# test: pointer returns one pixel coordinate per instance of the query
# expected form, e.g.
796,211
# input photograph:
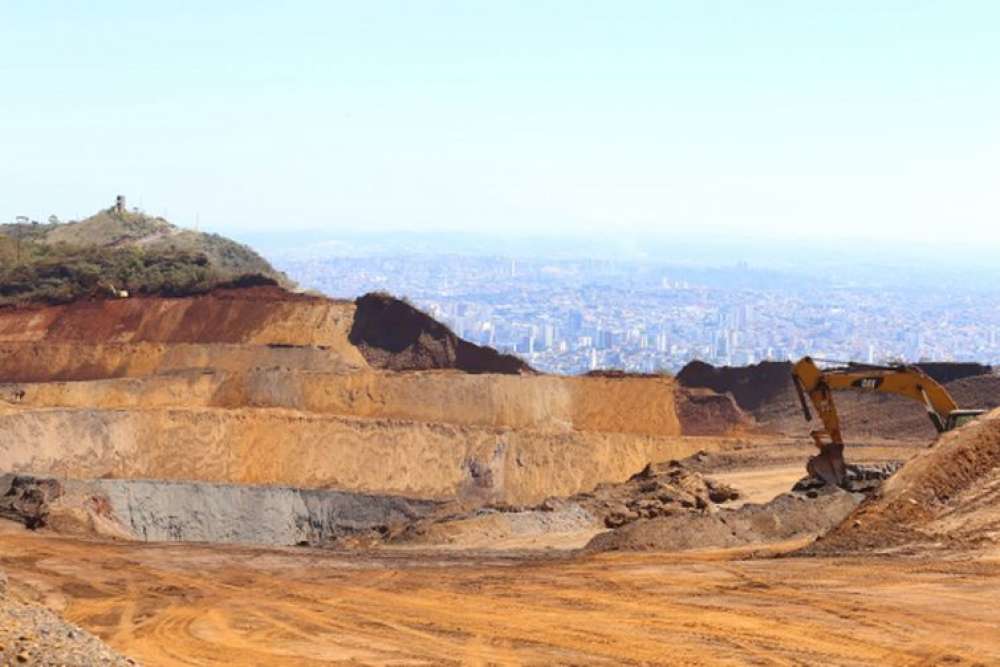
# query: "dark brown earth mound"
948,494
394,335
618,373
866,415
704,412
757,386
949,371
767,392
981,391
753,387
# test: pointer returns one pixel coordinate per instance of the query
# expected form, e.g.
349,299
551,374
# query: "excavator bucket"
829,464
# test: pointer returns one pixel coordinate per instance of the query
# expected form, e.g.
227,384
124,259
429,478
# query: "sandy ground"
534,604
198,605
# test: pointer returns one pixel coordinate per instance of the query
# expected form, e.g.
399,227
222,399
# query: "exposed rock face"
27,499
186,511
290,448
394,335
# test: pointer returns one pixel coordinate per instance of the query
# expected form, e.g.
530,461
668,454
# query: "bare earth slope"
261,386
946,496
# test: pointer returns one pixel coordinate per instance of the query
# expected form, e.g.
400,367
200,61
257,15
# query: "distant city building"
588,314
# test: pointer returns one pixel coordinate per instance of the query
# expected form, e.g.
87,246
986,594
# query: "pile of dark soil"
950,371
753,387
980,391
704,412
767,392
618,373
394,335
27,499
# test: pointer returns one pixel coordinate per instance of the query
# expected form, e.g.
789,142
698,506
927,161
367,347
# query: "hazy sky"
816,119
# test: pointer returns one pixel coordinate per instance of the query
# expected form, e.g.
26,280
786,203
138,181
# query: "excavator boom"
817,385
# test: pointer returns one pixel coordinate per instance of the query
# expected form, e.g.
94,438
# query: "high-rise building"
575,321
549,336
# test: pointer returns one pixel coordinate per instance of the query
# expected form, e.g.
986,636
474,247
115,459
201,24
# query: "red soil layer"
221,316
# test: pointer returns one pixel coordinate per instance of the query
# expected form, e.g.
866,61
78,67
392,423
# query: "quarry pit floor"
196,604
209,604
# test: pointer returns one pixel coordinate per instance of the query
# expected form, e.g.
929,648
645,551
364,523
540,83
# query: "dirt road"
198,605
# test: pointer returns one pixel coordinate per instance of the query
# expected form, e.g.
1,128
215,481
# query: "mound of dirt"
766,391
810,508
947,495
788,516
753,387
257,315
866,415
704,412
950,371
980,391
657,490
394,335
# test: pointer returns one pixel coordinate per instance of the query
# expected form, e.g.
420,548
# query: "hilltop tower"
120,204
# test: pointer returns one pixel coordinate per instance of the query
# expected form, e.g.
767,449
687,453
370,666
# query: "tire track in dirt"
203,604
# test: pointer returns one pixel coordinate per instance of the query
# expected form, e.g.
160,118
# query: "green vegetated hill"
120,251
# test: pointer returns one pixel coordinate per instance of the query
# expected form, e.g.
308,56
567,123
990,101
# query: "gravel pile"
33,635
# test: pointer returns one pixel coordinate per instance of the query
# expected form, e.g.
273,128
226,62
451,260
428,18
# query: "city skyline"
569,316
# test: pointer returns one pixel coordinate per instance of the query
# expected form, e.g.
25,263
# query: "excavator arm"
817,385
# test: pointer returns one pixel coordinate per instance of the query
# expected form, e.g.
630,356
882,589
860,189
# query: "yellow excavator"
819,384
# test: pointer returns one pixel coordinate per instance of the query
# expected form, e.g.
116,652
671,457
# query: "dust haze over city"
499,333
